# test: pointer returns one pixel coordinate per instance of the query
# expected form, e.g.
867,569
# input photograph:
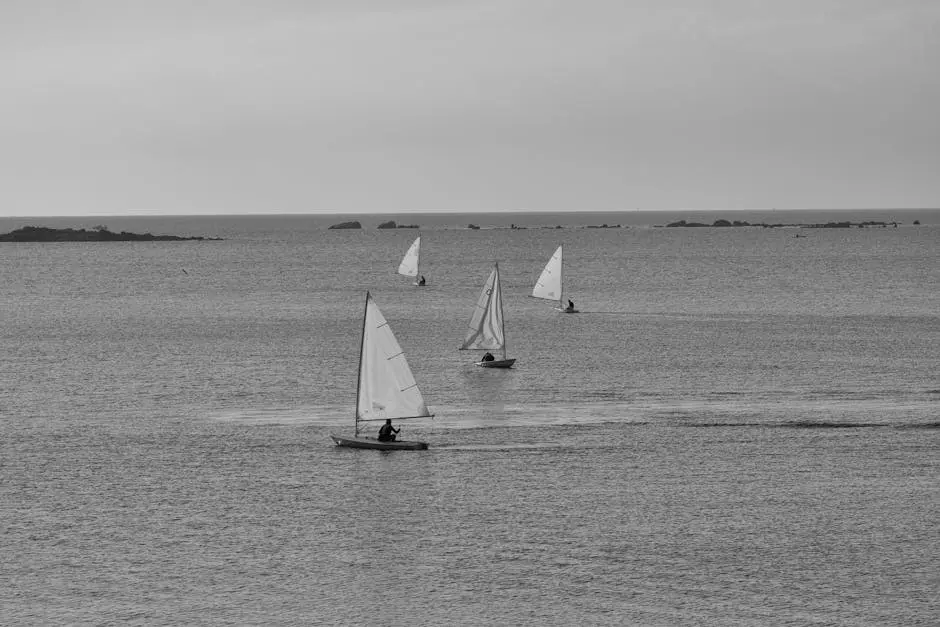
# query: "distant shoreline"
722,223
295,225
100,234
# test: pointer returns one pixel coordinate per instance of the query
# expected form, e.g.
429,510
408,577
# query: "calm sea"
741,428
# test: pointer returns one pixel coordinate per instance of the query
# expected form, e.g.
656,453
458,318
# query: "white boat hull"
497,363
372,443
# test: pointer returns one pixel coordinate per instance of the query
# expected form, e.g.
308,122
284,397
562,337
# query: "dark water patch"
724,424
826,424
802,424
808,424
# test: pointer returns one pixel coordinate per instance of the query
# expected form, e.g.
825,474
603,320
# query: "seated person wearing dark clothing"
387,432
488,357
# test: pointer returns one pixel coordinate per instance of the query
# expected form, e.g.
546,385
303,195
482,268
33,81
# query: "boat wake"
503,446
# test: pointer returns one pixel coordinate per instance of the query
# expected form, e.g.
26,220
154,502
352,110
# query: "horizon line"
445,213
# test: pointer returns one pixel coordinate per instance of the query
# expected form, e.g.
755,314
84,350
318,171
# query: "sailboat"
487,329
409,263
549,285
386,389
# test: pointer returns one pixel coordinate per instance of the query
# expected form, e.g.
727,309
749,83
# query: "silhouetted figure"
570,305
387,432
421,280
488,357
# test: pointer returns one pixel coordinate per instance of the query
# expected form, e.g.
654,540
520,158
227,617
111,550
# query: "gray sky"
230,106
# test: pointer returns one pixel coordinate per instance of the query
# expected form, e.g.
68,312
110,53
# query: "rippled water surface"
742,427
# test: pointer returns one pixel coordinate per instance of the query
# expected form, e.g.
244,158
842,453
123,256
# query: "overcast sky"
230,106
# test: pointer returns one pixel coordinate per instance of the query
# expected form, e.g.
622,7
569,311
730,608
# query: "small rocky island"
828,225
347,225
97,234
392,225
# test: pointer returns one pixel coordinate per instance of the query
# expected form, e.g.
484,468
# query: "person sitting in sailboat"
421,280
488,357
387,431
570,305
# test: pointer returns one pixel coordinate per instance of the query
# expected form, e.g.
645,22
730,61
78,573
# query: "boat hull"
497,363
566,310
371,443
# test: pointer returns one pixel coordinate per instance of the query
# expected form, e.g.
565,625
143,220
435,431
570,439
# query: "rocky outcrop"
828,225
718,223
347,225
100,234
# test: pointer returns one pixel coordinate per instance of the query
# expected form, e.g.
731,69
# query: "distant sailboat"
487,329
410,262
549,285
386,389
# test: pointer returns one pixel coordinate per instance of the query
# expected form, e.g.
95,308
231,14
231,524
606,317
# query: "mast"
362,346
502,315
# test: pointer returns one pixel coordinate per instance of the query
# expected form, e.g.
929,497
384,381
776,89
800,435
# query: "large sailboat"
411,261
549,285
487,329
386,389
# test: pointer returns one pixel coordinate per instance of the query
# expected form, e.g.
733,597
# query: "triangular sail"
486,324
409,263
549,284
387,389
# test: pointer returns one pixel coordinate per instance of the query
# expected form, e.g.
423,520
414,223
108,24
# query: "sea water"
741,427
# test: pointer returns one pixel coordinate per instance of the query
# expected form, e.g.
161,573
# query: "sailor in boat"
570,306
387,431
421,280
488,357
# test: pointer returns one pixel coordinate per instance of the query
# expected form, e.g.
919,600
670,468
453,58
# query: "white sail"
486,323
549,284
387,389
409,263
